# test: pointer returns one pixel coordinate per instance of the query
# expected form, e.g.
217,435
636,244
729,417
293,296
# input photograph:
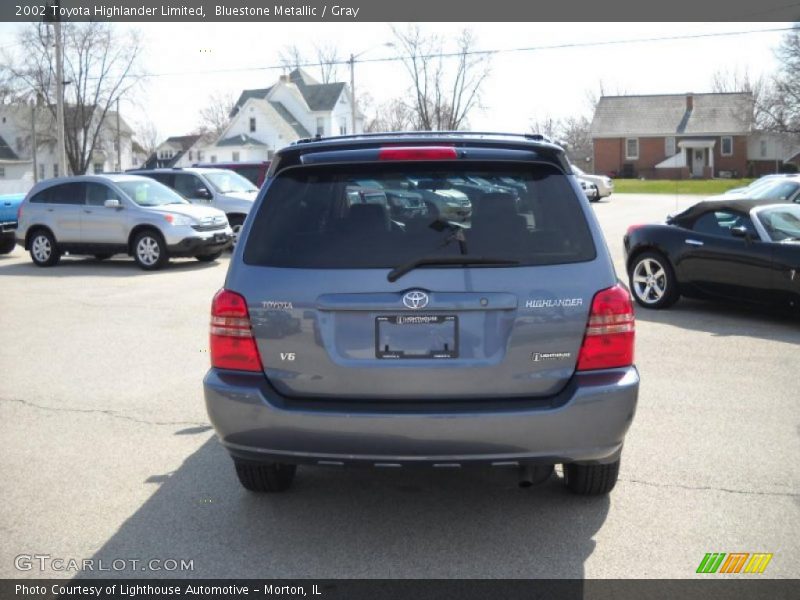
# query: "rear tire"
150,251
652,281
265,477
236,222
44,251
591,480
7,244
208,257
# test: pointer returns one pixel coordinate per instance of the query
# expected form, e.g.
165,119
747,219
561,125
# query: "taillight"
19,213
417,153
232,343
609,338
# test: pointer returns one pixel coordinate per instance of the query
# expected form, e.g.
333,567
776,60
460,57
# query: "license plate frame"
383,351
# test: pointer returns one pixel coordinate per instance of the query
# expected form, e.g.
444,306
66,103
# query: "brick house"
673,136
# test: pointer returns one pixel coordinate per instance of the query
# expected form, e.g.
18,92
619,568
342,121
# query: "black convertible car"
741,250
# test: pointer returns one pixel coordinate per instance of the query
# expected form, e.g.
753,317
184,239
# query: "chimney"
689,101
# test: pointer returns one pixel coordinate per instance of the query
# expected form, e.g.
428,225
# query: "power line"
491,52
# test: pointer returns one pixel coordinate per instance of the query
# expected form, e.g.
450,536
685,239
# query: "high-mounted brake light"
610,332
232,343
417,153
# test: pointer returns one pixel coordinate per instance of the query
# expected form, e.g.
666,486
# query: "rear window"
384,215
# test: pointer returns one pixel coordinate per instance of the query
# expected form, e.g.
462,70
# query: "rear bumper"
587,423
8,227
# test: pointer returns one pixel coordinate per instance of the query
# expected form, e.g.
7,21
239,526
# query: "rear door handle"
694,242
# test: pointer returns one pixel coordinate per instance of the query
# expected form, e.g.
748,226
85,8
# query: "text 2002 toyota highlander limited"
348,335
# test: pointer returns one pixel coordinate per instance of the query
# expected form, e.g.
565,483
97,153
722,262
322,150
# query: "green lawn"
686,186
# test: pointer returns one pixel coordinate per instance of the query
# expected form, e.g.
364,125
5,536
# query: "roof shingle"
666,115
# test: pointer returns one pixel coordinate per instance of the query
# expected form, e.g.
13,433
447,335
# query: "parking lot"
106,451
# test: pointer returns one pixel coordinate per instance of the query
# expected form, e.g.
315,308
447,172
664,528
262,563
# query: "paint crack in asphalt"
109,413
711,488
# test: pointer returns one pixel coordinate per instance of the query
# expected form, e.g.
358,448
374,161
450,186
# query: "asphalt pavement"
106,452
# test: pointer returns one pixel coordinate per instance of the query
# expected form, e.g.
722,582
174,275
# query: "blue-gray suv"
351,334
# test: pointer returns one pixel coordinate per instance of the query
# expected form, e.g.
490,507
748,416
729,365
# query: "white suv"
219,188
103,215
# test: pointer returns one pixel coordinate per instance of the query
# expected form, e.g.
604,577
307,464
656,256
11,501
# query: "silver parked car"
103,215
605,185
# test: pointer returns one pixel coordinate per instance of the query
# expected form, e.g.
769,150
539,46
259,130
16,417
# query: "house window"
727,146
252,124
199,156
19,144
41,172
320,126
669,146
631,148
343,127
763,149
213,158
235,156
98,167
190,154
55,169
2,172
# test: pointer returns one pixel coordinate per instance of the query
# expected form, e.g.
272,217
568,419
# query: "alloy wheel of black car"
652,281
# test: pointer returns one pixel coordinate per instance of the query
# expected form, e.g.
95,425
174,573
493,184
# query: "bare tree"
783,103
546,126
328,58
100,68
740,80
291,57
445,86
215,116
394,115
147,135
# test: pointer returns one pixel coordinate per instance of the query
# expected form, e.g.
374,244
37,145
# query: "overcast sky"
522,85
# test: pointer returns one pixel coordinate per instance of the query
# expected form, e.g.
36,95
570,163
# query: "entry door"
698,162
99,224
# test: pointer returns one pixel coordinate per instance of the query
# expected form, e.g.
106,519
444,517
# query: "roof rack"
536,137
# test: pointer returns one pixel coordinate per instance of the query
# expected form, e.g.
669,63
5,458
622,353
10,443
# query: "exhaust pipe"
530,475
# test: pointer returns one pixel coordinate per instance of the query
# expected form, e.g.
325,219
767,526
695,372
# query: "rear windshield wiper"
401,270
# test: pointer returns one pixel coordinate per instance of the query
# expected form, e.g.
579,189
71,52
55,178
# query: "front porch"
694,159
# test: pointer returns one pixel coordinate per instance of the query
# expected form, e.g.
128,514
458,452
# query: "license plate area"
416,336
220,237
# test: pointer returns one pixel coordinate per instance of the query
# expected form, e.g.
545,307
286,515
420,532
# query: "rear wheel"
44,251
150,251
653,281
208,257
591,480
265,477
7,244
236,222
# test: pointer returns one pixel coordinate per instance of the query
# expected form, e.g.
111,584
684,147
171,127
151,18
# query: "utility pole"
33,142
61,150
353,90
119,143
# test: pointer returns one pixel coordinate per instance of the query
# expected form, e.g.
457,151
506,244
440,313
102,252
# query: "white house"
17,123
768,151
296,106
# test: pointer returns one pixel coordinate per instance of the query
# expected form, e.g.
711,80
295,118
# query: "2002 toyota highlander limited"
347,333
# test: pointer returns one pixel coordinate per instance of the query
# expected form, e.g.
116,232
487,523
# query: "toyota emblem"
415,299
